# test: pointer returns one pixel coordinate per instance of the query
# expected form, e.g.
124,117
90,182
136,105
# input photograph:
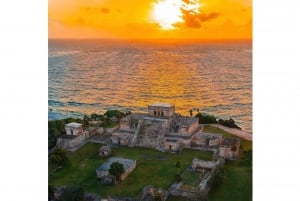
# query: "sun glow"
167,13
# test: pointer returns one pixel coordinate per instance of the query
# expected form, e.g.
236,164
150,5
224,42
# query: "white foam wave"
62,53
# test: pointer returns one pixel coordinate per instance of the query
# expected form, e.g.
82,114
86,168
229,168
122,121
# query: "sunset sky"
185,19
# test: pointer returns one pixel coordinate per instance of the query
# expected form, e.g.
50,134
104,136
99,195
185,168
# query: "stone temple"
160,128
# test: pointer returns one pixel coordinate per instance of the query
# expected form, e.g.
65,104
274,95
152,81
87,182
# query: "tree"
191,112
116,169
85,121
58,157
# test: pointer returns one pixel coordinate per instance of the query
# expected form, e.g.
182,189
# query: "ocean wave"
62,53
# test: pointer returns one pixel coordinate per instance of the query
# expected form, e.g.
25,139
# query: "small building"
183,125
104,151
122,137
161,109
206,139
69,141
103,170
230,148
74,128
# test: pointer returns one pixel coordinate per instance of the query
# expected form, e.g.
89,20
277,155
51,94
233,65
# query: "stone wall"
164,111
111,130
70,143
197,163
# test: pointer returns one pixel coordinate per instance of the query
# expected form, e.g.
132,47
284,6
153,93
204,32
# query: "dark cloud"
105,10
195,20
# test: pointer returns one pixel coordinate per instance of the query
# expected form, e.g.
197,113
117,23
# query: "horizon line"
163,40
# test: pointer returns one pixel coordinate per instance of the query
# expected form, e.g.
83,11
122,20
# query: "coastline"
239,133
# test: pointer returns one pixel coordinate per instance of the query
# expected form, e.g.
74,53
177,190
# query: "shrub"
58,157
116,169
72,193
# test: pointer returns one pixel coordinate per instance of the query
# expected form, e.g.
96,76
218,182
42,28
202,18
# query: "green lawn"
158,169
237,181
153,167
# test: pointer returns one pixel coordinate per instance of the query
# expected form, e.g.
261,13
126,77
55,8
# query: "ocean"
92,76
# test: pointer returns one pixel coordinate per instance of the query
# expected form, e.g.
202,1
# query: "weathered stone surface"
176,190
150,193
70,141
100,130
91,197
230,148
111,130
108,179
104,151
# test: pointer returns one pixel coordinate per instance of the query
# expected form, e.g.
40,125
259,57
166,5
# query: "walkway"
239,133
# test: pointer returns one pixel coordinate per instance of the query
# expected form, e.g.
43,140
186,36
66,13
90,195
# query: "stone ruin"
161,128
208,170
103,170
104,151
230,148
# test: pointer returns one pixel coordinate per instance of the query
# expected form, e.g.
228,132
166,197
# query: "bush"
228,123
58,157
114,113
72,193
206,119
116,169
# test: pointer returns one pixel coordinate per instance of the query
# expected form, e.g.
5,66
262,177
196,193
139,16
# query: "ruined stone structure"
104,151
206,139
161,109
103,170
172,145
184,126
230,148
208,169
69,141
74,136
74,128
161,128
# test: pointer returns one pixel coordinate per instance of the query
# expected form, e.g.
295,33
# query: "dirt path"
240,133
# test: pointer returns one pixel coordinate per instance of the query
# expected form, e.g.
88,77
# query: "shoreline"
239,133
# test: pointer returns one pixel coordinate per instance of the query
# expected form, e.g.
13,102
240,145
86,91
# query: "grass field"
153,167
158,169
237,181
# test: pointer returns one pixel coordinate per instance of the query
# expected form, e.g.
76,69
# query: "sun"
167,13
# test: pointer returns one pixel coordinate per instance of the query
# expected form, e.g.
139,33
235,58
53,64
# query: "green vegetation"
57,158
210,119
116,169
191,179
228,123
237,178
153,167
206,119
56,128
72,193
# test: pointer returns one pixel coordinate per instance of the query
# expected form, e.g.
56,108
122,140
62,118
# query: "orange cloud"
195,20
133,19
105,10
